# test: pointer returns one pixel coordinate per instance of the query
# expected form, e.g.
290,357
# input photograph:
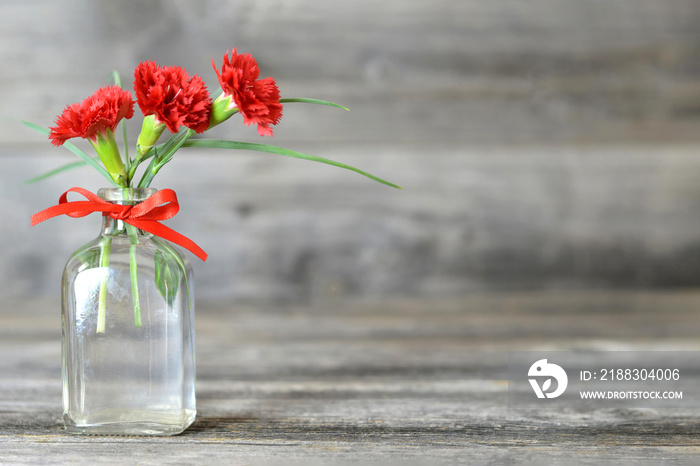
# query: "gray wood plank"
402,380
445,70
470,218
542,144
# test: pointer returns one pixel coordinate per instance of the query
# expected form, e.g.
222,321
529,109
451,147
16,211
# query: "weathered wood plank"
485,111
366,382
469,218
445,70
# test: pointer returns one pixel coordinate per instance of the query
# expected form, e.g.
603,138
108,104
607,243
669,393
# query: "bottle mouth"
121,195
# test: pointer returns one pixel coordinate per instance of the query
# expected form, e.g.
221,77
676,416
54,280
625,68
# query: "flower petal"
95,115
172,96
258,100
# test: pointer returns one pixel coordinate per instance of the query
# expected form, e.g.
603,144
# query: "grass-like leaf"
117,78
167,277
314,101
56,171
224,144
166,247
86,158
161,158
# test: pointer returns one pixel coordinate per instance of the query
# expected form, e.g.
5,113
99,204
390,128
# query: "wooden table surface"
389,382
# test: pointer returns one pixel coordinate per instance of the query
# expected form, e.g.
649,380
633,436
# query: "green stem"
160,159
105,251
133,267
116,77
149,174
127,159
131,171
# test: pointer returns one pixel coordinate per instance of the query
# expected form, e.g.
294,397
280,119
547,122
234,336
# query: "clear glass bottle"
128,332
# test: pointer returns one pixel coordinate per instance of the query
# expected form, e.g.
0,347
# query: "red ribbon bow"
145,215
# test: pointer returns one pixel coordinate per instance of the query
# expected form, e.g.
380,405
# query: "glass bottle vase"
128,331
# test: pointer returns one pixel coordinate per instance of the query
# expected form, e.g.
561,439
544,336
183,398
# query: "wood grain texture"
396,382
470,218
447,70
542,144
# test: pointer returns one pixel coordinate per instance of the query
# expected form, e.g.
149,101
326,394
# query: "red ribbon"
145,215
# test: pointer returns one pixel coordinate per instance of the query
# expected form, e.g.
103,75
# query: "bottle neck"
122,196
111,227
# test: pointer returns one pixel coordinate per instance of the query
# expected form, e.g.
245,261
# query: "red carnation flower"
257,99
172,96
95,115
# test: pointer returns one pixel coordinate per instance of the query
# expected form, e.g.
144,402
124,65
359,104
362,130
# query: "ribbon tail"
73,209
46,214
169,234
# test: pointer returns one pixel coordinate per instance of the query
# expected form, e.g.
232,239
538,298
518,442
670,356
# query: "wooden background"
550,156
542,144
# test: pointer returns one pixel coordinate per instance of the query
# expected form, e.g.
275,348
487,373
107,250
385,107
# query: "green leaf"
171,147
165,246
167,276
89,257
56,171
223,144
116,77
89,160
314,101
161,158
